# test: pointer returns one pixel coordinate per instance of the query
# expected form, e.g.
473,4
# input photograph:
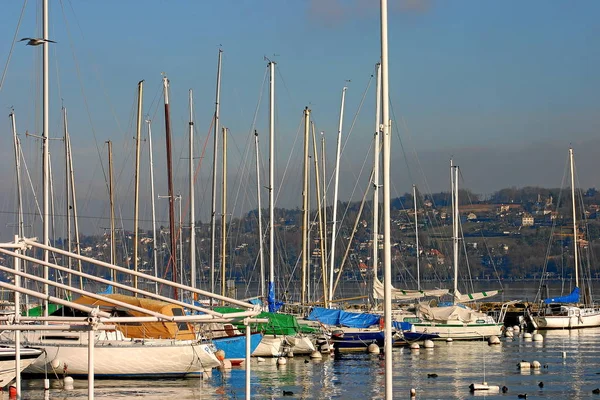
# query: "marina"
456,364
447,295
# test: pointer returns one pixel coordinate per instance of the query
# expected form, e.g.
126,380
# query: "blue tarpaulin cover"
573,297
343,318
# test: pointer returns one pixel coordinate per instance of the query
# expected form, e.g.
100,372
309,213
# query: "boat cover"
400,294
343,318
465,298
572,297
450,313
279,324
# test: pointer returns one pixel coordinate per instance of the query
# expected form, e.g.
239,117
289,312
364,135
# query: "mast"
20,218
213,212
335,199
260,227
455,223
376,160
173,259
305,219
136,214
74,203
46,151
323,162
387,248
68,193
224,215
111,194
417,237
192,201
322,234
271,299
154,244
576,249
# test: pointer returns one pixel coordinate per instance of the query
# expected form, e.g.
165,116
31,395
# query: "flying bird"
36,41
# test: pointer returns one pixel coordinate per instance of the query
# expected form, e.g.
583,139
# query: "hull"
568,318
459,331
407,337
298,344
235,347
7,362
269,346
356,339
118,357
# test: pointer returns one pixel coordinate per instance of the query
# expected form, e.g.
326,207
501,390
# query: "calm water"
361,376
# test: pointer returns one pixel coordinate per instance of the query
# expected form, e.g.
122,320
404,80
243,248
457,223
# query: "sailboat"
566,312
456,320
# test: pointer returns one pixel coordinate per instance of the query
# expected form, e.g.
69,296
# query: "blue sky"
491,82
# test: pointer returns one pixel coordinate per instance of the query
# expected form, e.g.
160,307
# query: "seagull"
36,41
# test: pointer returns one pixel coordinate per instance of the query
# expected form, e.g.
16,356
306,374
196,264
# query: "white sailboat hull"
269,346
300,344
121,358
573,318
460,331
7,362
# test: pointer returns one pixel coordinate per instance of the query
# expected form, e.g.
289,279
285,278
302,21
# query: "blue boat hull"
235,346
357,341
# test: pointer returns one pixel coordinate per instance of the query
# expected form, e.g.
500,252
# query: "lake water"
361,376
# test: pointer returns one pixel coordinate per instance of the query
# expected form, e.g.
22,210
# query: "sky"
503,88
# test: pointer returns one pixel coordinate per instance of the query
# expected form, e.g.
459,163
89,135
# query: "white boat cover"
449,313
465,298
400,294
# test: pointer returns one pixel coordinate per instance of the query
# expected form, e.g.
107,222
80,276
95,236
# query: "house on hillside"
527,220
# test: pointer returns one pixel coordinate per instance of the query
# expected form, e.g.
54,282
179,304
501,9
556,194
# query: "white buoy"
449,340
316,354
524,365
55,363
260,359
537,338
281,361
415,346
493,340
220,354
428,344
510,328
564,354
536,365
68,382
46,384
509,333
373,348
527,336
413,392
473,387
516,328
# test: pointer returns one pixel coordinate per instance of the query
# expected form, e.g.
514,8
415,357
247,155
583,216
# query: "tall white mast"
46,150
320,207
111,194
213,215
74,203
417,237
324,168
136,215
67,198
154,244
387,248
335,199
576,248
16,143
192,201
376,160
455,224
305,219
260,227
271,187
224,216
